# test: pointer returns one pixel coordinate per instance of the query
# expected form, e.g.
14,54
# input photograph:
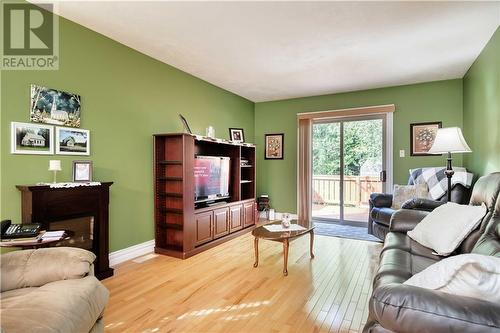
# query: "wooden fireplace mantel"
43,204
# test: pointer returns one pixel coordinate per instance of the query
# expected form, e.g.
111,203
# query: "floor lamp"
449,140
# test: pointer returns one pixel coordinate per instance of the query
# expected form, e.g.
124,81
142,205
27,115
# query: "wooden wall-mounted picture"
422,137
274,144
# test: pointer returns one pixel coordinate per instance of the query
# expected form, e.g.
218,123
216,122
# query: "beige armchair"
51,290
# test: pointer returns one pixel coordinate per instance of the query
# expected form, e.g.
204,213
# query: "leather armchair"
380,211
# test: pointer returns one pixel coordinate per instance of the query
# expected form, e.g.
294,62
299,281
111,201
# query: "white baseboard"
131,252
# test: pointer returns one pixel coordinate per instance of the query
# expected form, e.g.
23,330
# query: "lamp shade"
54,165
449,140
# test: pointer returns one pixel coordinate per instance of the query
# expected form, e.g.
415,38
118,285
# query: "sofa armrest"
381,200
34,268
407,309
422,204
404,220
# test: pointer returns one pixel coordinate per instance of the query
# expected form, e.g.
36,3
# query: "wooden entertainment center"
184,228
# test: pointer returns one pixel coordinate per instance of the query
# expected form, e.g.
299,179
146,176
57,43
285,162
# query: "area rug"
344,231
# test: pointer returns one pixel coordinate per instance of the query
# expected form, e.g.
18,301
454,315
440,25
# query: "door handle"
383,176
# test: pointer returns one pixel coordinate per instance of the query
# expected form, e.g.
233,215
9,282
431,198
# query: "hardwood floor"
220,291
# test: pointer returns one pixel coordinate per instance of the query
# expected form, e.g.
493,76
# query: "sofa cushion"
382,215
62,306
402,193
471,275
16,292
34,268
446,227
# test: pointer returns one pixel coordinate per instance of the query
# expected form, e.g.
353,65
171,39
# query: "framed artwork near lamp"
422,137
82,171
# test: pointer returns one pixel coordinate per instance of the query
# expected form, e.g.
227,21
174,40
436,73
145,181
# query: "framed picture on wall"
72,141
274,144
30,139
55,107
422,137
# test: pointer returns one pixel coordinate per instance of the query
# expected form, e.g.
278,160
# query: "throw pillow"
444,229
471,275
403,193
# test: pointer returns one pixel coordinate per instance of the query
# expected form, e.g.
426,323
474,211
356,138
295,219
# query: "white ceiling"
275,50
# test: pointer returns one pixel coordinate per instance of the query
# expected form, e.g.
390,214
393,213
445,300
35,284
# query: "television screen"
211,177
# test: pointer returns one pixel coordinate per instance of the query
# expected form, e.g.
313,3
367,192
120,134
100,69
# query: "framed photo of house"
274,144
27,138
236,135
82,171
422,137
72,141
54,107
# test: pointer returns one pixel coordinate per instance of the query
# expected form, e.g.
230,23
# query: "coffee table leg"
285,257
256,247
311,233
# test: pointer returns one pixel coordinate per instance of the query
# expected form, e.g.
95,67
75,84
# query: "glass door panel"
348,156
363,157
326,171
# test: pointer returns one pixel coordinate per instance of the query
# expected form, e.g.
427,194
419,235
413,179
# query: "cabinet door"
248,214
221,222
235,218
204,230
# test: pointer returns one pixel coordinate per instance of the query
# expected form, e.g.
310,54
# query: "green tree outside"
362,144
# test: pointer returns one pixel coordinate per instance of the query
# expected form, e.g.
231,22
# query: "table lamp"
449,140
55,165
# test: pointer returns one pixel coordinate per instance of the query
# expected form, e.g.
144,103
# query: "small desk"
283,237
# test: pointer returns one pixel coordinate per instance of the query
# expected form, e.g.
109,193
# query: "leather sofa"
51,290
380,211
396,307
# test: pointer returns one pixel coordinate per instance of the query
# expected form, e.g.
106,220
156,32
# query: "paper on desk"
53,234
279,227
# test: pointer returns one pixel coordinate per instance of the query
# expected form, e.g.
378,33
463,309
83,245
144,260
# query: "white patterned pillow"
403,193
471,275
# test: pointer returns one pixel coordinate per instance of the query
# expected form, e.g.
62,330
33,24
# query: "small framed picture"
72,141
82,171
422,137
236,135
31,139
274,144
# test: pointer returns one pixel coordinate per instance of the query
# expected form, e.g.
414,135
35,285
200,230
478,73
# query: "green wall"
482,109
433,101
126,97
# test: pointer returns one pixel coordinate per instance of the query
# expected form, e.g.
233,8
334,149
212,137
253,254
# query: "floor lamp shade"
449,140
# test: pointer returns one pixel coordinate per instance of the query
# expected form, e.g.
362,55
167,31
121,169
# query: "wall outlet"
402,153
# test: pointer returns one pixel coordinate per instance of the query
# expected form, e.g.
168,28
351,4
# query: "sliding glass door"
348,162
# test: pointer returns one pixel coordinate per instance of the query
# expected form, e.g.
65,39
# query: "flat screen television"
211,178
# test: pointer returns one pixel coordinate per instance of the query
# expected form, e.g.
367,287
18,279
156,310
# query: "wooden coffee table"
283,237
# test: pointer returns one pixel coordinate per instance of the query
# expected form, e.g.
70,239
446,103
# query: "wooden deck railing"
357,189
